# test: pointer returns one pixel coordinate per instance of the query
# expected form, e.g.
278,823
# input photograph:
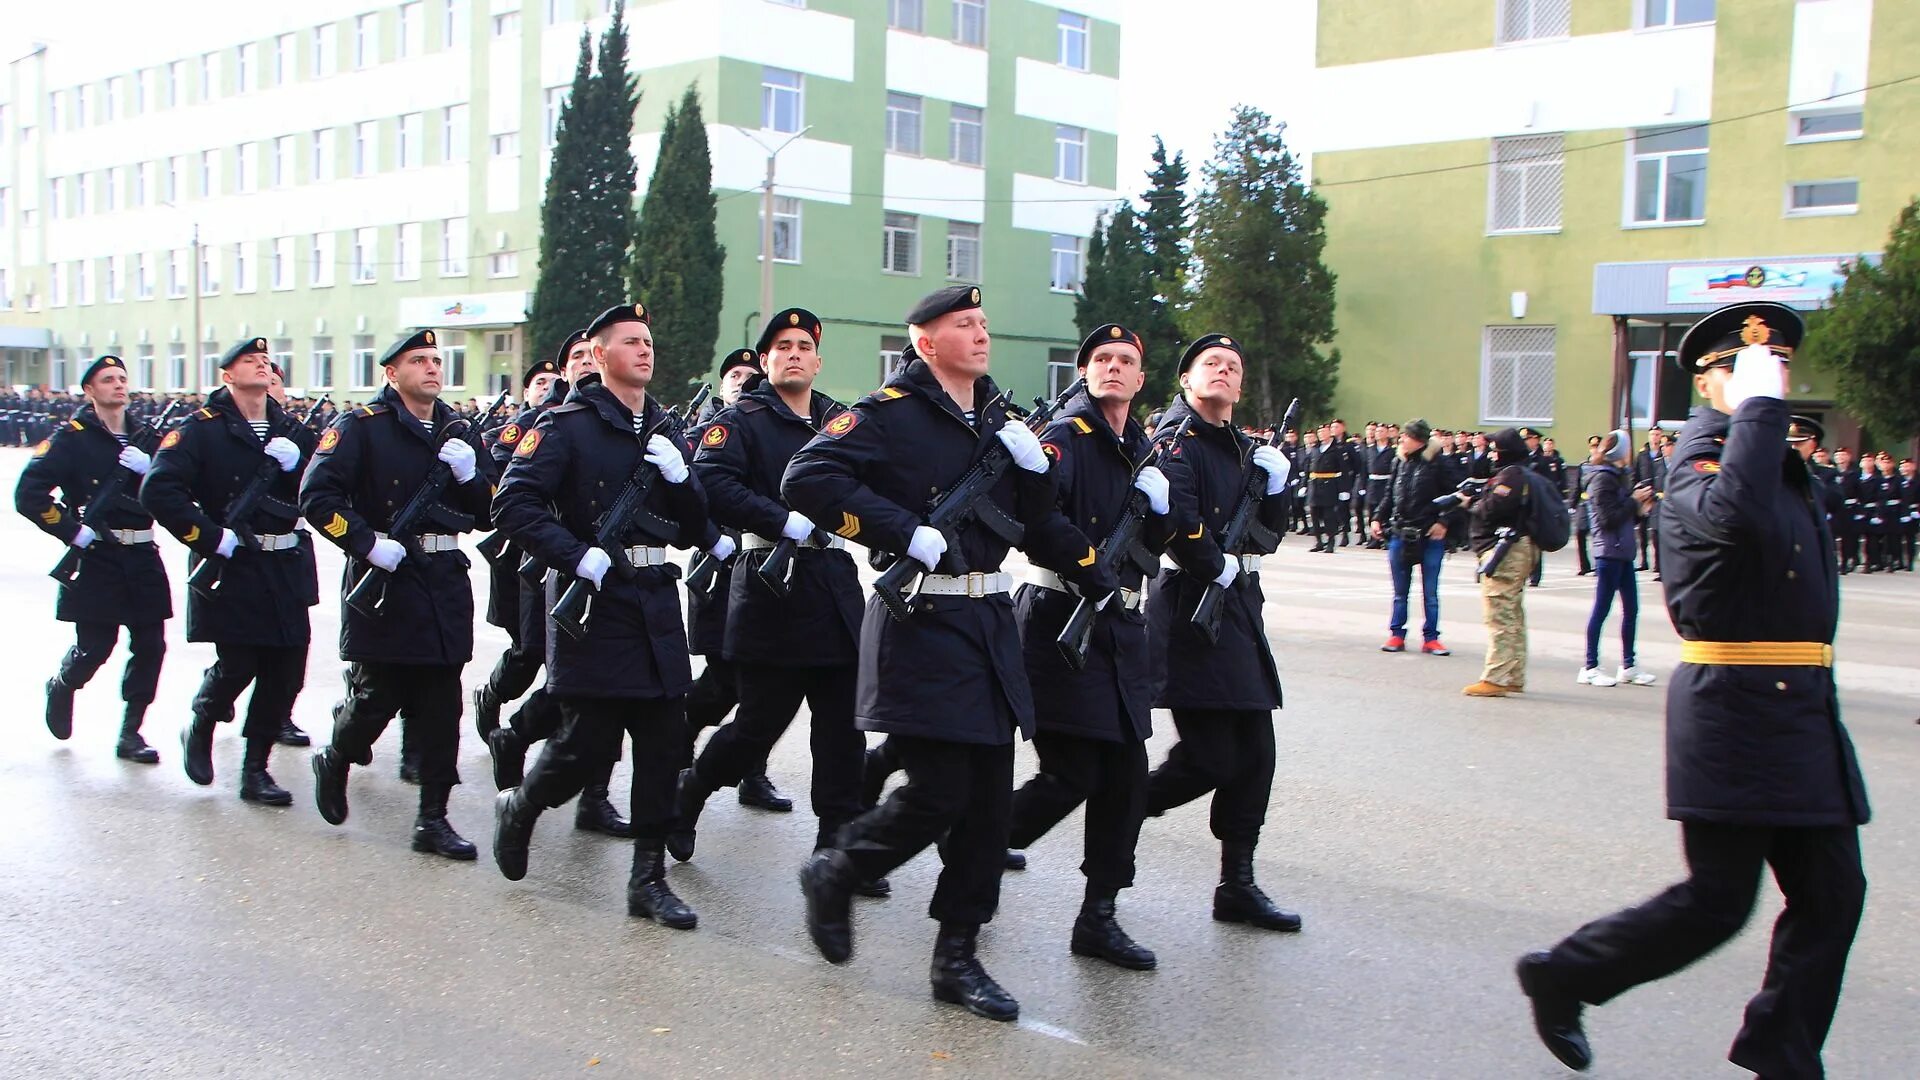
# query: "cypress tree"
678,259
569,282
1164,228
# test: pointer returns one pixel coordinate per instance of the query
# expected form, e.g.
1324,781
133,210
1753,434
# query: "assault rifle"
205,579
1243,527
369,595
111,496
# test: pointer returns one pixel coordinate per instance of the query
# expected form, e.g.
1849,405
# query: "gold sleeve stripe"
1081,425
1091,558
849,526
51,515
1197,533
335,528
190,535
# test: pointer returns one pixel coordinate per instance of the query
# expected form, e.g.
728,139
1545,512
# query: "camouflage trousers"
1502,605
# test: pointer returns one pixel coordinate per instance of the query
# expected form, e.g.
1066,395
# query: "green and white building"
347,171
1530,200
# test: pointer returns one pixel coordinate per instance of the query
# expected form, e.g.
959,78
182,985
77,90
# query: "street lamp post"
766,214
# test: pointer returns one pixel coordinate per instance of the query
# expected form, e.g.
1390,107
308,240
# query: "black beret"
1107,333
1802,428
102,364
745,358
792,318
1202,344
566,346
246,348
1719,336
944,302
633,311
423,339
544,367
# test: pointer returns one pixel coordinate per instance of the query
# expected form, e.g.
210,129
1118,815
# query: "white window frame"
1635,156
284,164
326,49
209,76
893,228
142,91
957,240
246,168
454,133
110,99
411,41
245,63
406,251
283,59
1643,18
283,260
1795,119
786,221
1831,210
956,135
366,255
179,273
907,16
1489,358
360,365
115,291
320,361
175,180
410,141
320,156
1533,31
143,367
556,102
453,361
282,356
506,23
366,148
450,23
775,84
209,270
209,173
176,74
366,40
1073,248
505,144
906,114
1069,153
1544,166
246,268
453,247
1072,31
142,186
110,190
970,13
503,264
143,277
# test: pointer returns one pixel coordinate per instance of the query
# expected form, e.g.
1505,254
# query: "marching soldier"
946,682
255,611
628,670
102,453
1331,472
1222,693
1379,459
406,641
1846,524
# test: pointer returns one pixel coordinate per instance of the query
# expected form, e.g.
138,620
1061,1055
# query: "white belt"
640,555
132,536
278,541
432,543
756,542
1380,476
1131,599
976,584
1249,564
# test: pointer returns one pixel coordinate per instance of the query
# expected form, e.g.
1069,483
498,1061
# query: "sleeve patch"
192,534
716,437
40,448
849,526
329,440
1502,489
1051,450
509,434
172,440
528,445
337,527
1706,466
51,515
1081,425
841,424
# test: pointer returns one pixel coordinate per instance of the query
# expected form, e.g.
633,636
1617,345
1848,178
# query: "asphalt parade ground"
149,927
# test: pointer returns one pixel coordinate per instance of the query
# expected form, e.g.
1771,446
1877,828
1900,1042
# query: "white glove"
387,554
1152,483
281,449
135,460
593,566
1024,446
1277,466
229,543
723,548
1104,601
84,537
1757,372
667,458
927,545
798,527
1346,496
1227,573
458,455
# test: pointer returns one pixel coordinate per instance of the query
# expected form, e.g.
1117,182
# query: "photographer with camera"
1499,517
1415,529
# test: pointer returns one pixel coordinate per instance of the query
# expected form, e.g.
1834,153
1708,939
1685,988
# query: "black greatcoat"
567,472
707,612
512,604
201,467
1747,556
953,670
1093,469
1207,474
742,455
369,464
1334,456
118,583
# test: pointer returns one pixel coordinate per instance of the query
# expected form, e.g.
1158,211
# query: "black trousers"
276,672
93,643
1324,523
715,694
1818,870
1110,777
1228,752
514,673
426,696
769,699
962,791
589,739
1580,542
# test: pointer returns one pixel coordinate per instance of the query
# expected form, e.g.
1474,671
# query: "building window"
209,76
110,192
453,247
411,142
110,101
1675,12
53,112
282,356
1531,20
141,91
143,278
177,368
506,144
53,198
56,286
1070,38
324,37
453,133
209,173
176,78
903,123
1822,197
244,280
413,31
322,154
891,349
906,15
366,40
963,251
556,101
143,368
1516,375
1069,262
781,101
6,294
176,273
1523,192
142,186
82,195
966,135
900,244
786,229
283,161
365,153
970,22
1070,154
282,263
243,67
503,264
209,271
1670,175
506,24
245,167
1062,369
453,363
172,185
406,252
449,23
365,249
362,372
112,263
322,363
283,60
1825,125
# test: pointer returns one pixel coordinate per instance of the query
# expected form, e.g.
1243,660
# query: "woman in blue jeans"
1613,508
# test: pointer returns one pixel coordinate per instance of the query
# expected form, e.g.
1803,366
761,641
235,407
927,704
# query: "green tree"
677,254
1164,227
1869,336
1118,269
1258,236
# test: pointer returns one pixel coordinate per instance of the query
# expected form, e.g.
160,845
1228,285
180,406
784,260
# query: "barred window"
1523,191
1527,20
1516,375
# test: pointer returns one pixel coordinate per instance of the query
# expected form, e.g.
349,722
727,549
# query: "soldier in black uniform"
630,671
1092,725
782,648
1331,473
1379,459
257,615
947,683
1910,509
406,657
1222,694
1760,770
121,581
1846,524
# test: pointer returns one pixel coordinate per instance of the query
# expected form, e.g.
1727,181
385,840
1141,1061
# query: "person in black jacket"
121,580
1330,471
1416,532
1761,773
1503,592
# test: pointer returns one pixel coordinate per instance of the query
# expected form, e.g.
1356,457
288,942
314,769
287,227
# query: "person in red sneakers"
1416,531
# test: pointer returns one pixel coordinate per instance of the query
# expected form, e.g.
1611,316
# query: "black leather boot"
1016,860
595,813
690,797
431,830
59,709
648,894
827,881
196,745
1239,900
513,818
509,753
486,712
291,735
959,979
131,746
1556,1017
759,793
1097,933
256,784
330,785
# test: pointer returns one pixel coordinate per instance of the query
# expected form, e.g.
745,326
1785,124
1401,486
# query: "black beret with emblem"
745,358
1802,428
246,348
1105,334
634,311
424,339
1719,336
790,319
944,302
1202,344
566,346
544,367
100,365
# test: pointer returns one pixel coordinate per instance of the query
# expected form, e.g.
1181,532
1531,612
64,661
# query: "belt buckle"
976,584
